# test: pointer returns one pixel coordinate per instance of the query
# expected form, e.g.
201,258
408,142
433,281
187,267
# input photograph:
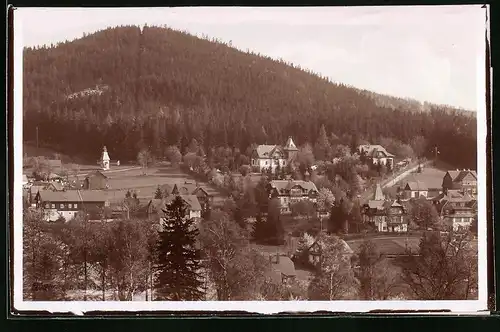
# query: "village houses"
66,204
385,214
377,153
457,210
266,157
292,191
415,189
95,181
156,207
188,188
463,180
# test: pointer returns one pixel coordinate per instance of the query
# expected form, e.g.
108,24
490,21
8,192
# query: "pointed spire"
290,145
379,196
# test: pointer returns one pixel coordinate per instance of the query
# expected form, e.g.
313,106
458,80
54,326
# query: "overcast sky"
427,53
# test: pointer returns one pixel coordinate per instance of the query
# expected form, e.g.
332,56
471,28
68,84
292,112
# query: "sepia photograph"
250,159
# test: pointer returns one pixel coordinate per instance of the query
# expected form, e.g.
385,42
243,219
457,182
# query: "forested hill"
128,87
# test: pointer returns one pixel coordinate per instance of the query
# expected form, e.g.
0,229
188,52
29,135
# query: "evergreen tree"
178,259
158,193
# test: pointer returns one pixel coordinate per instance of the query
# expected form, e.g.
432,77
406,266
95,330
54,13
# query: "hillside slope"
128,87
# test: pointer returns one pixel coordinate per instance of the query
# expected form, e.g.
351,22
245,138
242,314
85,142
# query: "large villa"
266,157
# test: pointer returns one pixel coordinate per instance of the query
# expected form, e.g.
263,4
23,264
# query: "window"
61,206
46,205
53,206
75,206
70,206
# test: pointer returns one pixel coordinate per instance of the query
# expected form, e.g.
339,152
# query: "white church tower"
105,159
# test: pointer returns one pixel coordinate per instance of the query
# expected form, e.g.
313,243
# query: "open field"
145,185
389,245
431,176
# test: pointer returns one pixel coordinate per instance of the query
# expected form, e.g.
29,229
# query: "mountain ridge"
168,87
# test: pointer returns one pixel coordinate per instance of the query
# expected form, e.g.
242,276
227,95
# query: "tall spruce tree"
179,275
158,193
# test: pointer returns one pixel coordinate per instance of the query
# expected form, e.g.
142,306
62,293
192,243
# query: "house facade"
156,206
415,189
95,181
463,180
457,210
292,191
386,215
188,188
67,204
266,157
377,153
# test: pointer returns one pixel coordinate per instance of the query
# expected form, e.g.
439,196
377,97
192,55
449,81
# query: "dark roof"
372,149
160,204
416,186
288,184
453,196
57,186
96,173
183,188
463,174
73,196
459,175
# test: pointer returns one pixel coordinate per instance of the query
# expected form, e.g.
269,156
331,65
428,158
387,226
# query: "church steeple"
379,195
105,159
290,145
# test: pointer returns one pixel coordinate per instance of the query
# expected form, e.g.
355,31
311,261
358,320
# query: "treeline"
161,87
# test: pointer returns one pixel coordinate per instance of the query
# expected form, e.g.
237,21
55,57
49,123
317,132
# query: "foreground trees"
376,277
334,278
179,276
445,269
236,270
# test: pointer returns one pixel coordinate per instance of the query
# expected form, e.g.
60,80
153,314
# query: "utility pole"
436,152
37,137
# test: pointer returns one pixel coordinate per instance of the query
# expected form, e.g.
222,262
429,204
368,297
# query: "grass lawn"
388,245
432,177
146,185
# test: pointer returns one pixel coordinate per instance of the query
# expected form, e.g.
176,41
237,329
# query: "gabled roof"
379,205
290,145
372,149
416,186
57,186
183,188
36,189
459,175
288,184
453,196
383,205
191,201
266,151
96,173
73,196
463,174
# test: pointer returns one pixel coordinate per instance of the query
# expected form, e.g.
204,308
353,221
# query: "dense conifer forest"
130,87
